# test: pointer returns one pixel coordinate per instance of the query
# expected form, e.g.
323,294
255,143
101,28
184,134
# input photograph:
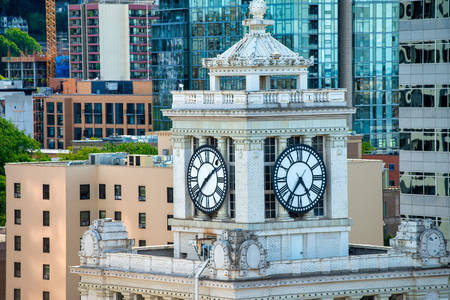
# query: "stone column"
302,81
105,295
149,297
383,297
202,140
307,140
222,214
282,213
336,157
249,154
128,296
182,151
214,83
84,293
252,83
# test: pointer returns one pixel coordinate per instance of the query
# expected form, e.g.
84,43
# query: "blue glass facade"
197,29
375,72
170,55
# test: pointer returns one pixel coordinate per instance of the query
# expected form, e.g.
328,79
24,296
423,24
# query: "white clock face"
432,243
299,178
207,179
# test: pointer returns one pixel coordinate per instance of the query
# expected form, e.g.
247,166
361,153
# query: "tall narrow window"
17,269
16,294
141,191
17,243
269,160
232,185
85,218
85,192
45,295
119,113
46,272
46,245
317,144
109,113
117,216
17,190
17,217
77,113
149,114
102,191
117,192
102,214
169,195
45,218
98,113
46,191
142,220
169,227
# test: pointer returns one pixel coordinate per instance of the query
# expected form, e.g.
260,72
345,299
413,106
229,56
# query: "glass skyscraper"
375,72
308,27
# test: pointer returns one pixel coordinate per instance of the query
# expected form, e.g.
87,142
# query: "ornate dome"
258,47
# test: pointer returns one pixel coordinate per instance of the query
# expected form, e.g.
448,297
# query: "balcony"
261,99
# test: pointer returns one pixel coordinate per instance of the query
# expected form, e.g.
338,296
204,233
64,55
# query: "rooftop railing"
270,98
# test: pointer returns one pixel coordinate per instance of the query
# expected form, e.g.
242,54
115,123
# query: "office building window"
117,192
140,113
46,245
59,107
131,160
169,227
149,114
85,192
46,191
138,160
117,216
77,133
141,220
142,243
16,294
46,272
98,113
109,132
88,112
98,132
17,191
102,191
119,113
109,113
77,113
119,131
141,191
169,195
130,113
102,214
391,167
17,269
85,218
45,218
130,131
17,217
45,295
17,243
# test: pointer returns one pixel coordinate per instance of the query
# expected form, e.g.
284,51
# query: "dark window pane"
142,220
117,215
117,192
102,191
46,245
17,217
85,191
45,191
17,190
45,218
85,218
17,243
169,195
46,272
17,269
141,191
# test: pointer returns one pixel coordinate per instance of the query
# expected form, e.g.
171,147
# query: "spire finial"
258,9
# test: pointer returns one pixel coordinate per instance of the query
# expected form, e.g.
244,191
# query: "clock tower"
260,171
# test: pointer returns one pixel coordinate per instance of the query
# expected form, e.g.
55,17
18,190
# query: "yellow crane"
50,18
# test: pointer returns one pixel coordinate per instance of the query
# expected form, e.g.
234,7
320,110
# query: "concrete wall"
114,42
365,201
19,110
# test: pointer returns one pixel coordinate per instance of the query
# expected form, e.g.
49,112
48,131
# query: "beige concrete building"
365,201
50,205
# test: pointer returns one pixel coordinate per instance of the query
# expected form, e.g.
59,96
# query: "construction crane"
50,18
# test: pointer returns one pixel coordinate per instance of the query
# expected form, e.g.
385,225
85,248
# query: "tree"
15,145
6,45
25,42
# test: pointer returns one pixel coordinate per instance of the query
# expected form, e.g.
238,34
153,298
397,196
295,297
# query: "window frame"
118,192
46,271
142,196
17,190
17,217
46,191
142,217
45,245
83,195
17,269
46,218
169,194
84,212
17,243
101,191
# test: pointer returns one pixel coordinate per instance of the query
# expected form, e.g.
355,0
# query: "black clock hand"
207,178
298,183
304,186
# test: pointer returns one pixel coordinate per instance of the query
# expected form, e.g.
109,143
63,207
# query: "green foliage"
387,238
6,45
23,41
367,148
131,148
15,146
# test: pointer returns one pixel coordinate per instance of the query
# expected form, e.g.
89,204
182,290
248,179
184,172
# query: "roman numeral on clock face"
315,189
219,191
284,190
317,177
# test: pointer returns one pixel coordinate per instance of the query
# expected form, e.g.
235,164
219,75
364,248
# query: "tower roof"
257,47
